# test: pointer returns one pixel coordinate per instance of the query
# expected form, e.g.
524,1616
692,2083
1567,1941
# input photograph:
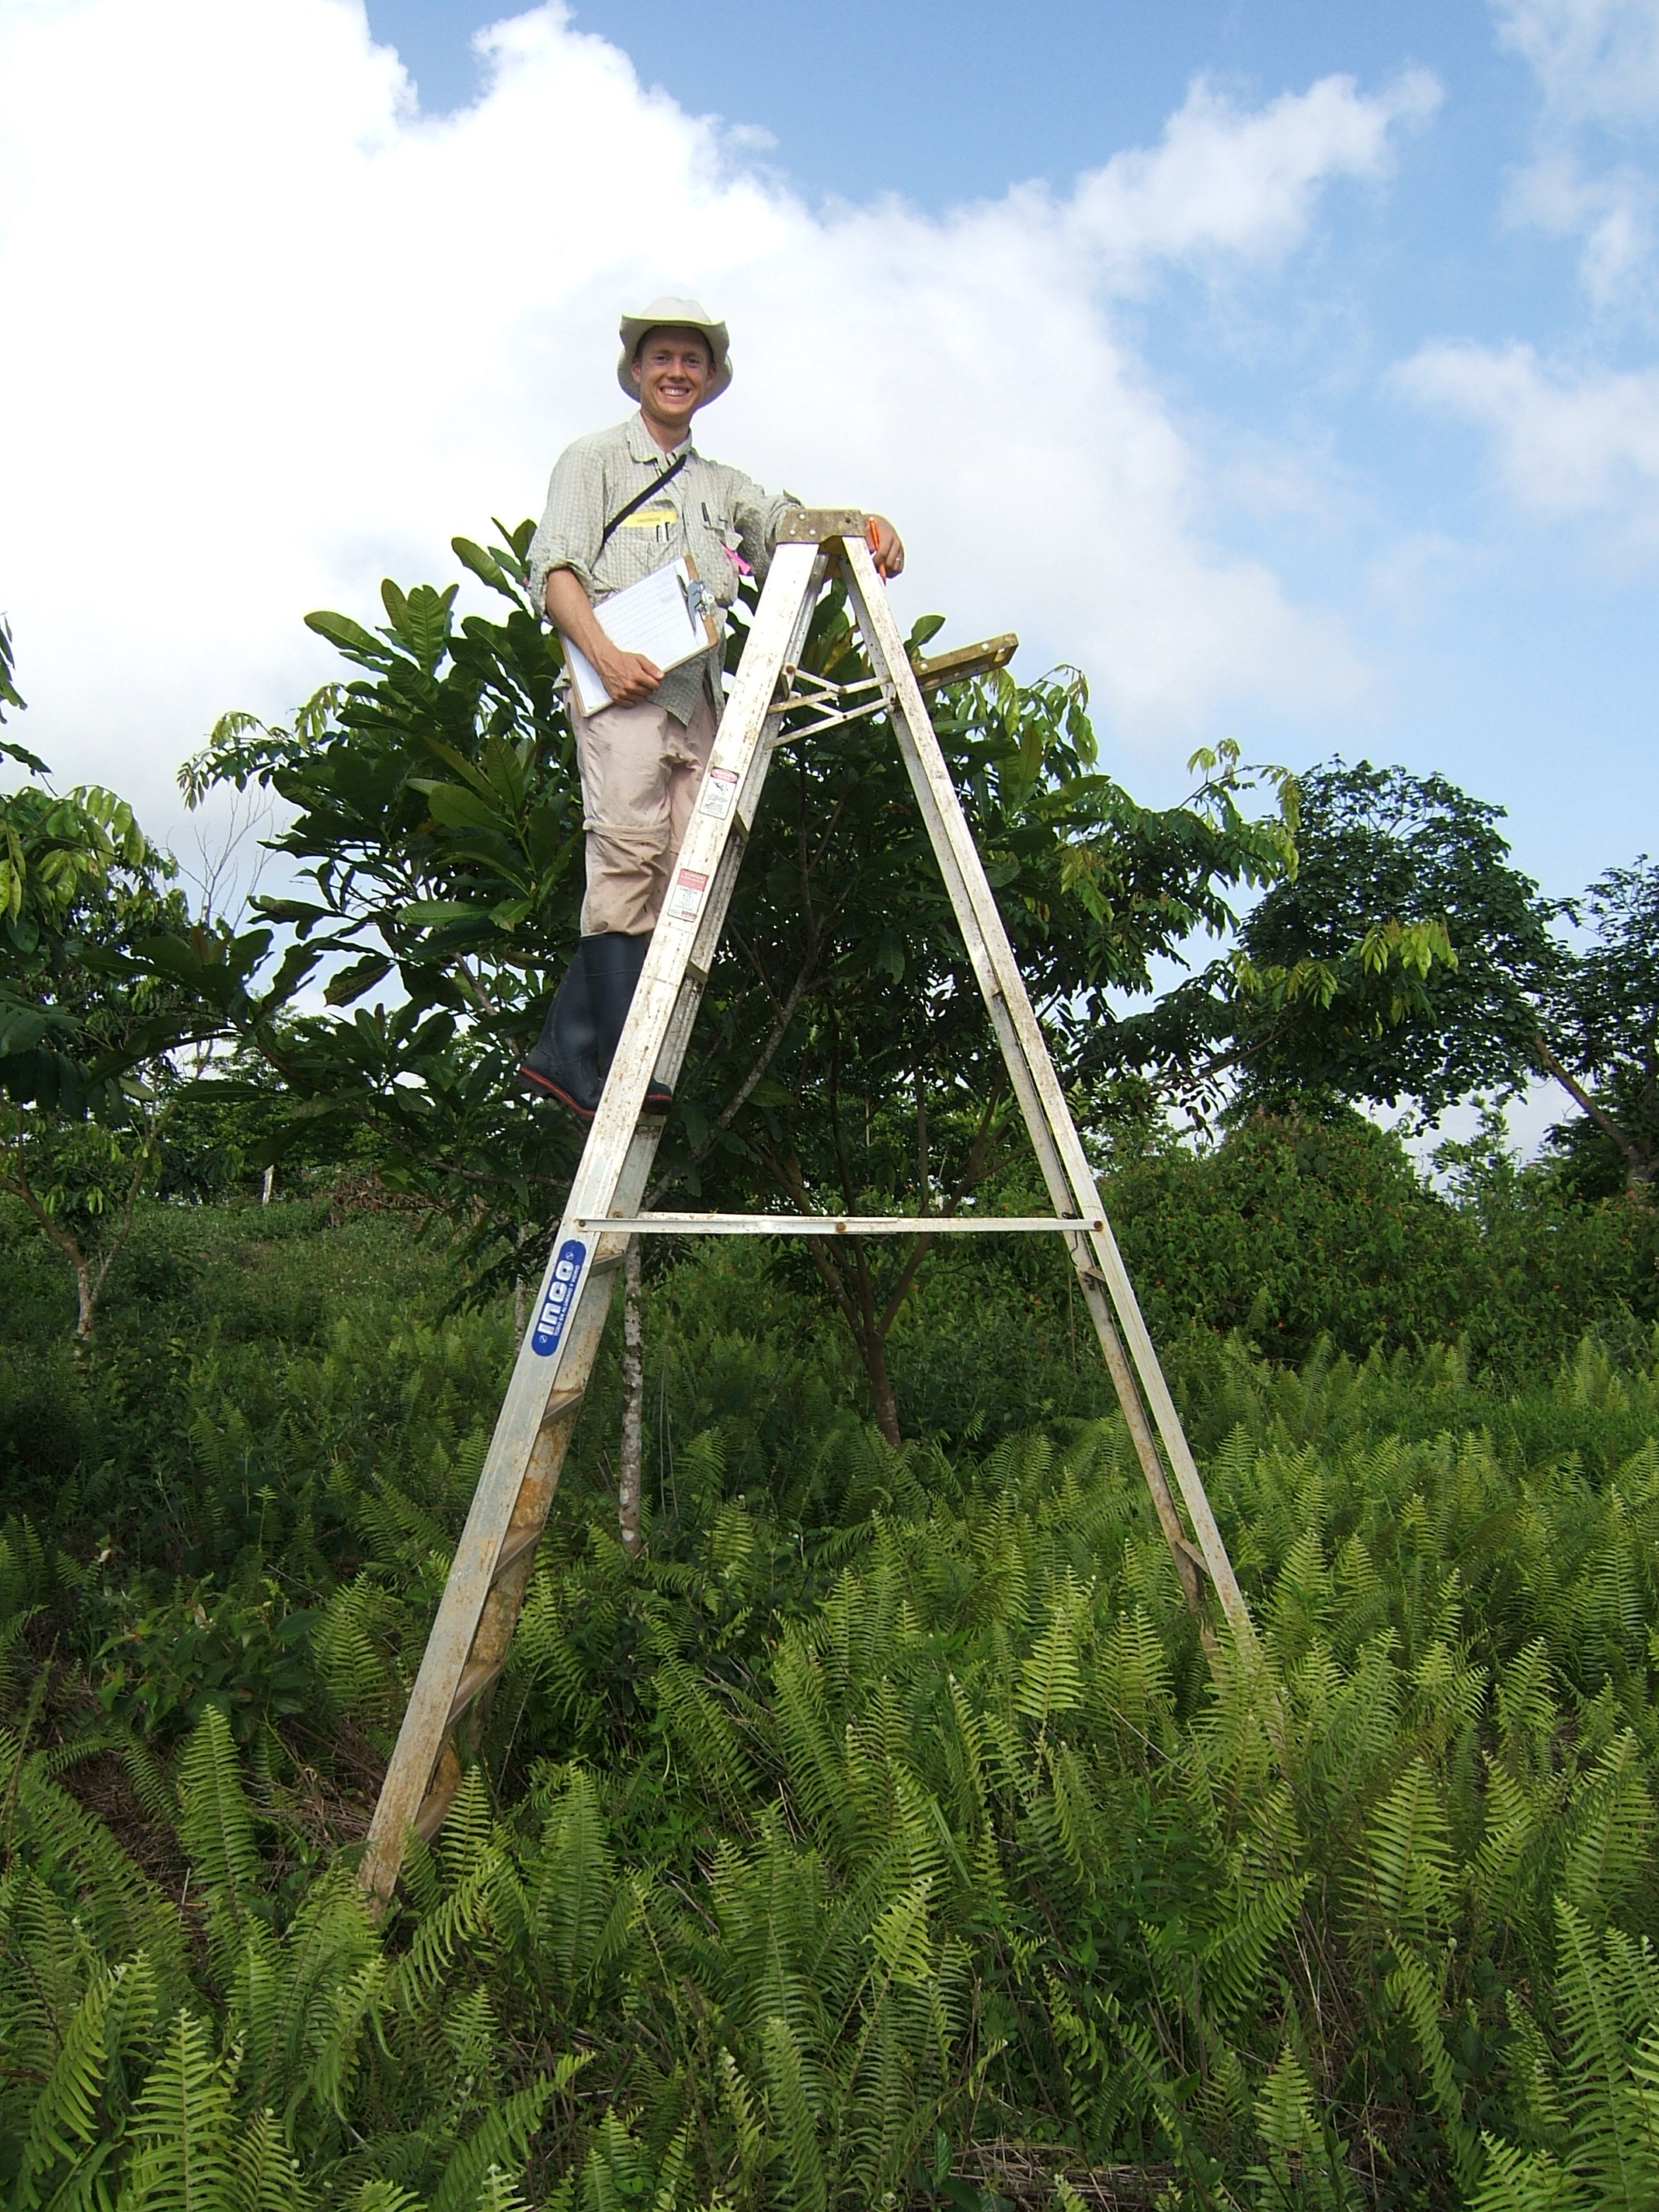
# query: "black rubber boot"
563,1064
613,964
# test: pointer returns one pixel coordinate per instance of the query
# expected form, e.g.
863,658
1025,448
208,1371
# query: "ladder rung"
561,1402
431,1818
475,1679
514,1547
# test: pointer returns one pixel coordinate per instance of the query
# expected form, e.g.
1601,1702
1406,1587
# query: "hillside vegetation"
883,1835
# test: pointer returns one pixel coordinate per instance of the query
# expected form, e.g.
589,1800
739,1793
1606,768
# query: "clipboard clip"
701,604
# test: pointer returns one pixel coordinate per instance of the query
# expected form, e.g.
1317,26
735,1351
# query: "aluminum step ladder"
492,1564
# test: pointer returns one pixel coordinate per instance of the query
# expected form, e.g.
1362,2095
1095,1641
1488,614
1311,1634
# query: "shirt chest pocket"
714,519
659,516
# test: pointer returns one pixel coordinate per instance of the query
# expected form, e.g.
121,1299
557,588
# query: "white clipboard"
667,615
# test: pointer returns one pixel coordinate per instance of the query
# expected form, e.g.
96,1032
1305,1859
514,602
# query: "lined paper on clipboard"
666,616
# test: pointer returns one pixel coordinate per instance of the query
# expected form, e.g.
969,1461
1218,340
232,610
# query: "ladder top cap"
811,525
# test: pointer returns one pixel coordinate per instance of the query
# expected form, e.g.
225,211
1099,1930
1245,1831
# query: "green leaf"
351,982
457,808
351,638
423,913
485,566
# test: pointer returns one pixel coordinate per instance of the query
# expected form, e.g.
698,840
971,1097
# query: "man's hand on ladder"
886,547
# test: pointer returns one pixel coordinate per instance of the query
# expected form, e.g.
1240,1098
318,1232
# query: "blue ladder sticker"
561,1296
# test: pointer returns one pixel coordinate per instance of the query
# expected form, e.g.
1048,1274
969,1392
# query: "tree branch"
970,1175
1635,1158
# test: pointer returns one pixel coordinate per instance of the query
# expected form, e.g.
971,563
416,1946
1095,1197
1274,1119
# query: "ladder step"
560,1402
431,1818
514,1547
475,1680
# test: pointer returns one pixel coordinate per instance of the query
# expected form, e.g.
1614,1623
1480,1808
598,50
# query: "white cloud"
272,335
1223,181
1565,443
1597,63
1613,212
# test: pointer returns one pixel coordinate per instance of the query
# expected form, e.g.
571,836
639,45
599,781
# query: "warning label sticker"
555,1307
719,790
686,897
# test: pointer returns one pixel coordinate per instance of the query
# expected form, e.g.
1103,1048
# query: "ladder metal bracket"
826,705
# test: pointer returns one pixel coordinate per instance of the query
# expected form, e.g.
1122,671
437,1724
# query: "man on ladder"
622,503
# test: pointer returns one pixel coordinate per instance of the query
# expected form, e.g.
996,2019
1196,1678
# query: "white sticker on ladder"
686,897
719,789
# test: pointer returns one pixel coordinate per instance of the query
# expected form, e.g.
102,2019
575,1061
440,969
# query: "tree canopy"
437,828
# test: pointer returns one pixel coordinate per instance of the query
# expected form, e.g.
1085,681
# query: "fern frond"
66,2118
502,2140
267,2174
1613,2144
216,1829
1412,1990
1518,2180
789,2104
1408,1855
186,2138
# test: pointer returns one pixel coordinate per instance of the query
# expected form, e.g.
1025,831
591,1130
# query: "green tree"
103,978
843,1049
1406,957
1599,1034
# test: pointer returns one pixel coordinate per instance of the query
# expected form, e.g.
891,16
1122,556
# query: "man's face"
673,369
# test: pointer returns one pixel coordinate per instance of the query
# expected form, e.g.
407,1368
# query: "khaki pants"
640,769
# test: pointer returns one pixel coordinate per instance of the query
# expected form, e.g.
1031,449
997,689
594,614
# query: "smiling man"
621,503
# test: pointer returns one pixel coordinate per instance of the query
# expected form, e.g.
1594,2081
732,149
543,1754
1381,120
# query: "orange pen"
872,540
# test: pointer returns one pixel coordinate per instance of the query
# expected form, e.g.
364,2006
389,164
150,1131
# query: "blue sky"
1291,367
1519,652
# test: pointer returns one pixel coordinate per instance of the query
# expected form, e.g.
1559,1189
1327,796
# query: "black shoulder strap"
641,497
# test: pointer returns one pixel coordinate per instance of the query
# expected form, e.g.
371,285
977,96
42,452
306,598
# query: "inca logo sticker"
556,1306
687,895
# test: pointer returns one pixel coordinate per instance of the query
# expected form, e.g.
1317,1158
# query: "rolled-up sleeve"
568,535
756,515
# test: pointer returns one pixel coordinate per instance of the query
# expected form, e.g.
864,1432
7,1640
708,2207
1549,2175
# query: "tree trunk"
883,1404
87,1287
1640,1164
633,1421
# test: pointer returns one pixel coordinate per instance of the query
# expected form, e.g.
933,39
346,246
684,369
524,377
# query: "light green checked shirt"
710,512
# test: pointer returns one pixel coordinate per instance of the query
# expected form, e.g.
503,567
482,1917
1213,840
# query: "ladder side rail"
478,1610
426,1719
691,920
965,876
959,864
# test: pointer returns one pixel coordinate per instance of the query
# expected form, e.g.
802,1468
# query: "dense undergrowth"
889,1808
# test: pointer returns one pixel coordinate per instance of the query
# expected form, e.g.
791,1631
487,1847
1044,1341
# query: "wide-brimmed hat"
680,315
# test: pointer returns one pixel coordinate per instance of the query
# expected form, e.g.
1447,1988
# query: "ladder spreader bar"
834,1224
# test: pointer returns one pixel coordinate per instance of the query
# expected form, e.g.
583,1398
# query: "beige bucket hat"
682,314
